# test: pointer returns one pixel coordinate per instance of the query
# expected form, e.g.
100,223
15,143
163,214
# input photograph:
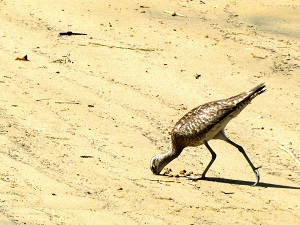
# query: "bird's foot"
196,177
257,177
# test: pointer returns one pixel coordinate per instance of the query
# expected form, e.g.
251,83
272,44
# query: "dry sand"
81,119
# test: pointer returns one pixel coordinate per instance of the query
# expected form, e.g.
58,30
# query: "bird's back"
205,121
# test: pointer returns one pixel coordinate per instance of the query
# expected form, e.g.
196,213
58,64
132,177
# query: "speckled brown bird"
204,123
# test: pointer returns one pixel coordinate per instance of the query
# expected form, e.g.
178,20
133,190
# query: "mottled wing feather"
201,119
197,123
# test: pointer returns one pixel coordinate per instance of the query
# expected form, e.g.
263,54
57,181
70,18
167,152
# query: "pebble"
182,172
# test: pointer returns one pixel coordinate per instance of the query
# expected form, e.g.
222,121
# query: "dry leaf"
24,58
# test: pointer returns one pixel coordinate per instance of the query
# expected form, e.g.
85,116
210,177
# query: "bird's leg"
222,136
213,158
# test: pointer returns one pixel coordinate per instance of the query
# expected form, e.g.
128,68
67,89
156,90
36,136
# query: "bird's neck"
172,153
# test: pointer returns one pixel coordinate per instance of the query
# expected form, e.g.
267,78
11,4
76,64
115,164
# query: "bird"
204,123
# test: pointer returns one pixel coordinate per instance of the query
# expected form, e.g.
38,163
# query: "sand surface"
80,121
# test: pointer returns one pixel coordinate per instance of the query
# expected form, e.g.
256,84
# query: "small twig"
121,47
86,156
69,33
72,102
42,99
291,154
227,193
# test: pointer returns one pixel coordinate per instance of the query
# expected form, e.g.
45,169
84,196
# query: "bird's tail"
259,89
246,97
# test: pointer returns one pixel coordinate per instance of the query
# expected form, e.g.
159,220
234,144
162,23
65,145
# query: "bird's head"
156,165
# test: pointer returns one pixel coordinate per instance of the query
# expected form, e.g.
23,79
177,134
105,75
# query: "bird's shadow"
242,182
249,183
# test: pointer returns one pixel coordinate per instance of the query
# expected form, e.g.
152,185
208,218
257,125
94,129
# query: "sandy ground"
80,121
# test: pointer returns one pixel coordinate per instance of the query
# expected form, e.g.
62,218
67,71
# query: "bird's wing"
204,117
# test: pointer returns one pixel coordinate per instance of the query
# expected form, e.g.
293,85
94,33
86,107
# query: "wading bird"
204,123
